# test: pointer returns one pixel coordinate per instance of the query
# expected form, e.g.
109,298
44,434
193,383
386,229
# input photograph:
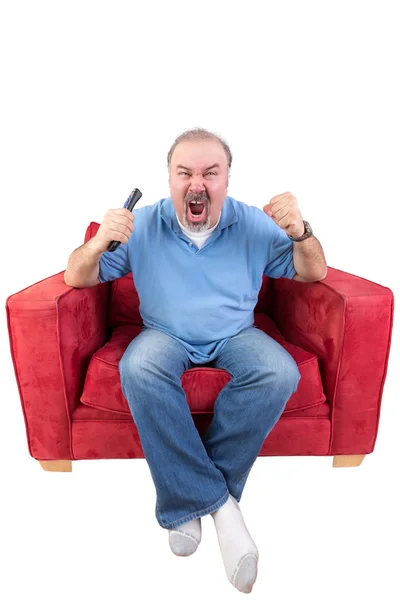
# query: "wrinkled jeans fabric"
194,475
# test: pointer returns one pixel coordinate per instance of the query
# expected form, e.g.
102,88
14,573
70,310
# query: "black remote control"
133,198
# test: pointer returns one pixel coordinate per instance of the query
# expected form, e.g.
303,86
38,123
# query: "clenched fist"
117,226
283,209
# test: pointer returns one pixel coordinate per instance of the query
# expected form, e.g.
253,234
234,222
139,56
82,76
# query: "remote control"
133,198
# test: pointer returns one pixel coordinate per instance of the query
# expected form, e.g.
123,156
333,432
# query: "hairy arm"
309,260
83,266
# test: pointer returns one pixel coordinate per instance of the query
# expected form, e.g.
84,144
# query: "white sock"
239,552
185,539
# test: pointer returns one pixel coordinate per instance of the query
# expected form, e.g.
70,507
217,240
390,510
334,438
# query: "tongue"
196,209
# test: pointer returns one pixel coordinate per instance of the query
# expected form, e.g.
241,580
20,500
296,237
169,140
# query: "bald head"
200,134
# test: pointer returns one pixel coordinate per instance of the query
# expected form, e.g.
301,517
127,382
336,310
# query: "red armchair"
66,344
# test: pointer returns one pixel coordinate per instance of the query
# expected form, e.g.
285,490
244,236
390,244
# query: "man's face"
198,172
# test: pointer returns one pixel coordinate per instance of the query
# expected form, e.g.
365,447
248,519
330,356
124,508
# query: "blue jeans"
194,475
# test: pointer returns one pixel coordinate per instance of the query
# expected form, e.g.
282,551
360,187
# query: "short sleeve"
114,264
281,256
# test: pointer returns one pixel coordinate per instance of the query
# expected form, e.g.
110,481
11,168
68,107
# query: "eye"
183,173
211,173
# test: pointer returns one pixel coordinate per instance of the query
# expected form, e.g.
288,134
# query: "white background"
93,95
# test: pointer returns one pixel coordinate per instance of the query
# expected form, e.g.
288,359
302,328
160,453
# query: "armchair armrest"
53,331
347,322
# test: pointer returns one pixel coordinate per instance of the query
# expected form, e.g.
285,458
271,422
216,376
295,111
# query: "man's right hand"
117,226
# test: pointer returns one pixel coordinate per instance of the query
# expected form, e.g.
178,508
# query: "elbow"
80,284
311,278
319,277
72,283
67,280
325,273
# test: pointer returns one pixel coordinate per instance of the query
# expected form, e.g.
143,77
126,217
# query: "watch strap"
307,233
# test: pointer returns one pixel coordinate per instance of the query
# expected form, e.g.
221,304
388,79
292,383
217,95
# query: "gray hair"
200,134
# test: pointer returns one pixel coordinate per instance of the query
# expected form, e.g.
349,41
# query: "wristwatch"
307,233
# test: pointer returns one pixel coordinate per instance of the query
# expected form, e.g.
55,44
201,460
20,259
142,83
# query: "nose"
196,185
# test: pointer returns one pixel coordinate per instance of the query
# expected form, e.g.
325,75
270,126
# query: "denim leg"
264,376
188,485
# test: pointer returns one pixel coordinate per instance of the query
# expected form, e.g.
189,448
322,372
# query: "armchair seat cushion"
202,384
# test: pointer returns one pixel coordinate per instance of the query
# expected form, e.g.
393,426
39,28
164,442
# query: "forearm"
83,266
309,259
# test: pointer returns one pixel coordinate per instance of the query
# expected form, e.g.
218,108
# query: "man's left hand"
283,209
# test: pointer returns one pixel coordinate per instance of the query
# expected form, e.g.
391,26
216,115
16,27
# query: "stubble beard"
202,225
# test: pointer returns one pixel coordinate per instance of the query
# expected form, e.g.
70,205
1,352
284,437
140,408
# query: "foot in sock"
185,539
239,552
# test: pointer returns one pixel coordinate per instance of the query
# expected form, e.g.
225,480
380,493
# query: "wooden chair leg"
61,466
348,460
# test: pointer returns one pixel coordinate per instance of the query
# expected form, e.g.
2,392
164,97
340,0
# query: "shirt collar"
228,215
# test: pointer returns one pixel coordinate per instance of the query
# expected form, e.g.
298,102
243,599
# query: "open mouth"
196,211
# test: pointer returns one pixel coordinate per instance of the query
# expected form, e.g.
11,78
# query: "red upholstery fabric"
201,384
57,334
347,322
54,330
101,434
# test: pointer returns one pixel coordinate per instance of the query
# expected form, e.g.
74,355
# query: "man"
197,259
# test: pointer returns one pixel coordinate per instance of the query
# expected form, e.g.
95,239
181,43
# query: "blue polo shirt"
200,297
